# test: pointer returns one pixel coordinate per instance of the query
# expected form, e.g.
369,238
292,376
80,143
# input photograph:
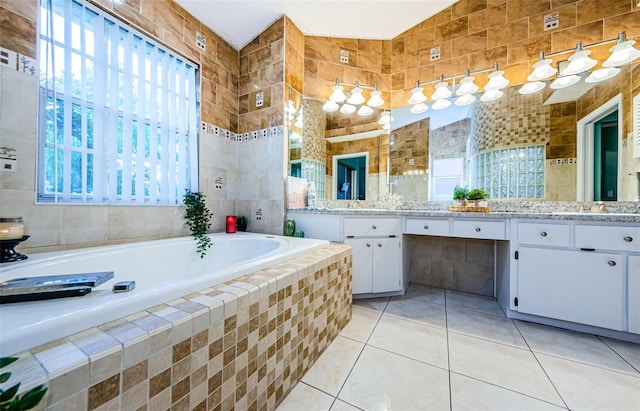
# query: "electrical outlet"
8,58
201,41
218,183
260,99
259,215
434,54
552,21
344,56
8,164
411,161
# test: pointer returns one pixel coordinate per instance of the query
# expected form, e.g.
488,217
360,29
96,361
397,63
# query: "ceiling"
240,21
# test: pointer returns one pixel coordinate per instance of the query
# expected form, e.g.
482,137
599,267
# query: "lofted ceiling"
240,21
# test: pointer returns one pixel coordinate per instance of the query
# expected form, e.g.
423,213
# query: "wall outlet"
344,56
434,54
259,215
552,21
218,183
201,41
8,164
260,99
411,161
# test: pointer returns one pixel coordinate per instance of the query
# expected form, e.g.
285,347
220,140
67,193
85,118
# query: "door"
361,272
386,264
577,286
605,158
634,294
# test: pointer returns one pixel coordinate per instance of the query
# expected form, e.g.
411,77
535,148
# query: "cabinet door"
361,272
577,286
386,264
634,294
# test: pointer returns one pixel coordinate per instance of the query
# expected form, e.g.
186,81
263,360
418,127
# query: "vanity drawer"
371,227
552,235
493,230
614,238
427,226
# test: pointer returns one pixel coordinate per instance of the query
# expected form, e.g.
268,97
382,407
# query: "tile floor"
440,350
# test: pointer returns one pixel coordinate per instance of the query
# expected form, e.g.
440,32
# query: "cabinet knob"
611,263
374,226
628,239
426,227
380,245
368,245
543,234
477,229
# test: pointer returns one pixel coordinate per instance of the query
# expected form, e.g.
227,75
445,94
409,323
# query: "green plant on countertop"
477,194
289,228
460,193
242,221
10,399
198,219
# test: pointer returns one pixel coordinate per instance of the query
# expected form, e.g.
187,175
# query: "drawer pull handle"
543,234
426,227
374,227
368,245
380,245
628,239
477,229
611,263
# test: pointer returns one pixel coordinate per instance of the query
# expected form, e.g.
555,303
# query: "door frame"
334,170
584,183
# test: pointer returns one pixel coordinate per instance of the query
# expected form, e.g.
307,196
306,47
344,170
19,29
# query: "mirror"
344,155
546,146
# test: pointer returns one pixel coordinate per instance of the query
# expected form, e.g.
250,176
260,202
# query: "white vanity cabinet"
377,254
585,273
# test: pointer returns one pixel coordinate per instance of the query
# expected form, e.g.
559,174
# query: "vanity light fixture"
442,90
347,109
417,95
467,85
337,94
419,108
441,104
563,81
532,87
622,53
491,95
354,100
496,80
579,62
542,70
330,106
375,100
365,111
602,74
465,100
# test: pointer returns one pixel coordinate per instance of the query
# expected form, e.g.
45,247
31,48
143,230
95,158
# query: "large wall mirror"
568,144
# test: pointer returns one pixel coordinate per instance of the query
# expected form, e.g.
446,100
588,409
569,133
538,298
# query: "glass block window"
315,171
510,173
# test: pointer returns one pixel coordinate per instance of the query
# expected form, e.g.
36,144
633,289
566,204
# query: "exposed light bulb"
532,87
419,108
579,62
417,95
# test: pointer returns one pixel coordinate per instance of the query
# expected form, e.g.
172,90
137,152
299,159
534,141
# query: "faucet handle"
603,207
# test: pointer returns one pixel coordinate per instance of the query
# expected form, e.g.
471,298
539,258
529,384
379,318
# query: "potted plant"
459,195
479,197
198,219
241,222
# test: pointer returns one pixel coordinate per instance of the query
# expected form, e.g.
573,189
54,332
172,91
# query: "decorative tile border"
243,344
18,62
215,131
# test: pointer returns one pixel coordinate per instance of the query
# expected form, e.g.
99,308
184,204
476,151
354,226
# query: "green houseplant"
10,399
459,195
198,219
241,222
479,196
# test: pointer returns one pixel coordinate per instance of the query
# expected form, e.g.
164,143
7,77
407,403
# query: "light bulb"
441,104
565,81
330,106
419,108
467,86
542,69
337,93
491,95
348,109
531,88
602,75
579,62
465,100
356,97
417,96
376,98
496,80
442,90
622,53
365,111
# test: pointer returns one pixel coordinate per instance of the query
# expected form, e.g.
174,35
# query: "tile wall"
410,142
243,344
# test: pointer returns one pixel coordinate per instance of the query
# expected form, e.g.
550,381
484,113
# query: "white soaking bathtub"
163,270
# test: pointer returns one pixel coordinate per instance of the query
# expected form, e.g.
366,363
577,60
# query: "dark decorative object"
7,252
242,222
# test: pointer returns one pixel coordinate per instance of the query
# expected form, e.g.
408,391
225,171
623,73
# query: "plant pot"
458,203
470,203
482,203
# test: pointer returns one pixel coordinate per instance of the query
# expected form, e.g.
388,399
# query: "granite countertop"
617,217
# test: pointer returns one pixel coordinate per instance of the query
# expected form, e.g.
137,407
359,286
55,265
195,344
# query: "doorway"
599,145
350,176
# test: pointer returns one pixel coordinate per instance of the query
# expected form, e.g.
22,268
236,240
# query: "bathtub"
163,271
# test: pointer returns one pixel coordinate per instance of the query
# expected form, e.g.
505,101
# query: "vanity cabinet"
377,254
585,273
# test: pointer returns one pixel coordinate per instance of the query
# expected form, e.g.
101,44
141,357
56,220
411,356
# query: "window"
446,173
118,113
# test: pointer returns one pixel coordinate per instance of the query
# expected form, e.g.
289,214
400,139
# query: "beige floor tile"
332,368
468,394
306,398
423,292
473,302
627,350
418,310
482,325
584,387
574,346
417,341
382,380
361,325
375,304
502,365
343,406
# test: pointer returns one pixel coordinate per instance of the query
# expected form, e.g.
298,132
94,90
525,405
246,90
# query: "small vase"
471,203
482,203
458,203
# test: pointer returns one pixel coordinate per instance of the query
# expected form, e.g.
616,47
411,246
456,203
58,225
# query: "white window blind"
118,113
